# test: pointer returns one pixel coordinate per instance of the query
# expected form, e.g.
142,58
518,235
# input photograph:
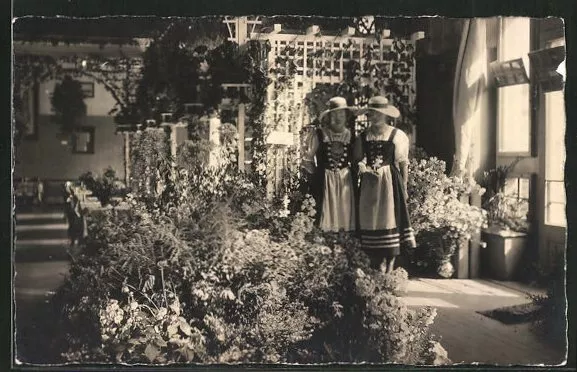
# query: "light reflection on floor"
470,337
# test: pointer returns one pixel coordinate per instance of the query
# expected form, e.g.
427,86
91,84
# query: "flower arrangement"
203,268
440,219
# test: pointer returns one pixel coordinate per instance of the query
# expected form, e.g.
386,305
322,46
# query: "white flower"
161,313
228,294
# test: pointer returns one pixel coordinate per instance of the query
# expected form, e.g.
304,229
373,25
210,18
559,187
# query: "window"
83,141
514,105
555,198
87,89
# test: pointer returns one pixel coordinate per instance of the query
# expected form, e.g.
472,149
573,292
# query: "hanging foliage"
68,104
179,67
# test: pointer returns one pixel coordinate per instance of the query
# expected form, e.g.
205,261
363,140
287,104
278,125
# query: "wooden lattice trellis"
299,62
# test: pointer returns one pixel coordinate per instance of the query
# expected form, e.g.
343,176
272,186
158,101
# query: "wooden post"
475,243
241,133
127,158
241,30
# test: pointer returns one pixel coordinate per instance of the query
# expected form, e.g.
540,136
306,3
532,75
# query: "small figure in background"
74,216
39,191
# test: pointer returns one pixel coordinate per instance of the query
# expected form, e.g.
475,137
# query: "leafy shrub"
209,271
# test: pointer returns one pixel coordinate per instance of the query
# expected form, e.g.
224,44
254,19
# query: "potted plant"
68,103
505,239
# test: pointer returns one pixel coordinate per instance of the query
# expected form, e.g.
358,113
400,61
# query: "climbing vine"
256,66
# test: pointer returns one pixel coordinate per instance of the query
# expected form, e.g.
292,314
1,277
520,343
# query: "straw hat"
381,104
334,104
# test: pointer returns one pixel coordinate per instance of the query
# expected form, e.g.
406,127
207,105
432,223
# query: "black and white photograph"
293,190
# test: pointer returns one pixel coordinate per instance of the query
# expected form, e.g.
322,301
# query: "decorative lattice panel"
306,69
299,63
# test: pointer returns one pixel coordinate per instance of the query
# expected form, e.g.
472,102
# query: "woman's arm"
359,155
402,145
311,145
404,169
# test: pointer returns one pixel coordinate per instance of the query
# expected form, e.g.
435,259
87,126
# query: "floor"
41,261
470,337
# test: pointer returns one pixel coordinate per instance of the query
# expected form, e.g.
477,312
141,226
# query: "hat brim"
390,111
353,110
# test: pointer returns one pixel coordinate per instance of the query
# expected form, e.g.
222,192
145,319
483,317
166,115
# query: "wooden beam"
417,35
387,42
313,30
257,35
349,31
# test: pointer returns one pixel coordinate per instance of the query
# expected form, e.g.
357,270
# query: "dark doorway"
435,133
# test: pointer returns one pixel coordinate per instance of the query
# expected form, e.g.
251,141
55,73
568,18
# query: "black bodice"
379,150
333,155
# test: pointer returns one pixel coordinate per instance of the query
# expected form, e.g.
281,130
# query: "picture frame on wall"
87,89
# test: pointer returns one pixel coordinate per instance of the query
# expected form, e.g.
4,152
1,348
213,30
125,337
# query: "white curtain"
470,85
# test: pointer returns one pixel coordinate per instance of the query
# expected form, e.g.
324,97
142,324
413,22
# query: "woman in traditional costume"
328,159
382,153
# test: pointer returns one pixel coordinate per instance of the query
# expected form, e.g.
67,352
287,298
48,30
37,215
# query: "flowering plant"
505,211
139,332
440,219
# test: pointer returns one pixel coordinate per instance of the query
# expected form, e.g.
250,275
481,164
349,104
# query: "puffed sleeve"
309,150
402,145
